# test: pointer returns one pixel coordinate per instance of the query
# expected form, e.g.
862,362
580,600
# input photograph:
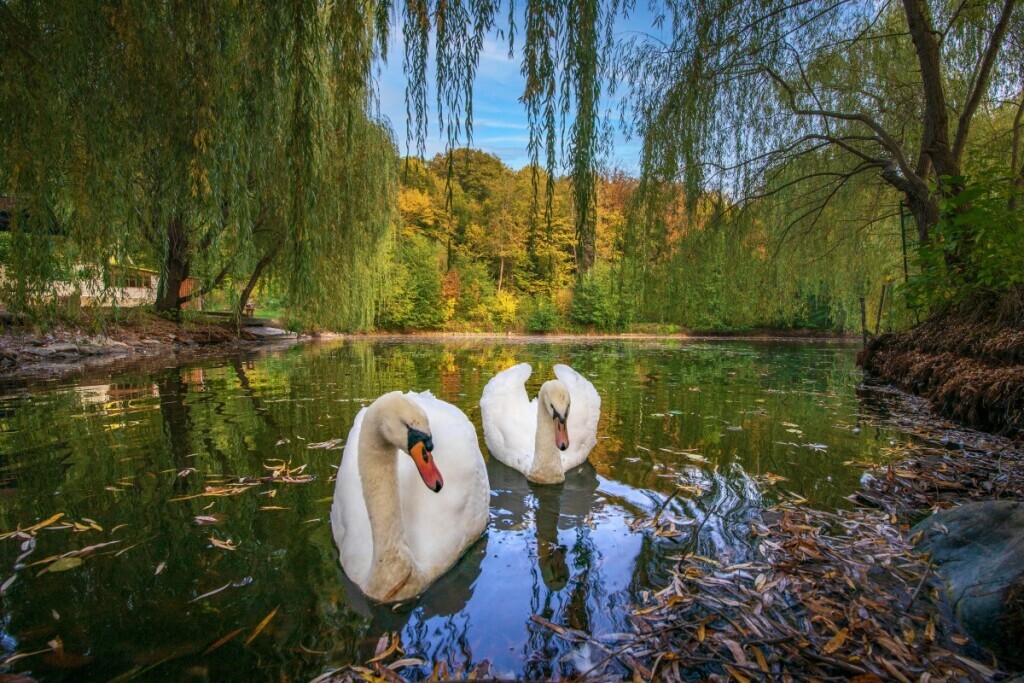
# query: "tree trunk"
501,272
925,211
585,249
1015,169
261,265
935,134
176,267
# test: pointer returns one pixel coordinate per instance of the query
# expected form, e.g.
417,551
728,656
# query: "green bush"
413,297
477,295
976,251
601,301
542,318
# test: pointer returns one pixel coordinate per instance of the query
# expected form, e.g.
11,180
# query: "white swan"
528,435
395,536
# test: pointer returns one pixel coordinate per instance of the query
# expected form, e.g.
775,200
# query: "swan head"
404,425
554,397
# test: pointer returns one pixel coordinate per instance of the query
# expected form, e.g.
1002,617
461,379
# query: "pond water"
126,453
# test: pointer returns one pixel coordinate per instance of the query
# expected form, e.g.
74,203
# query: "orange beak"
426,466
561,434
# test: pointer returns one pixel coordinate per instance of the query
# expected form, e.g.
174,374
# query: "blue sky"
499,120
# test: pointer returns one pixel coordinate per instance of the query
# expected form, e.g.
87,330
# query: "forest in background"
797,160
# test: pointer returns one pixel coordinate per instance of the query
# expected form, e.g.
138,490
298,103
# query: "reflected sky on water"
687,429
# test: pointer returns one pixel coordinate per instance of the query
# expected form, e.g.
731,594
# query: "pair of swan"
396,535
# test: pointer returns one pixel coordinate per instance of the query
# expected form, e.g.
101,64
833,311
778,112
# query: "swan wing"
510,418
584,413
440,526
349,520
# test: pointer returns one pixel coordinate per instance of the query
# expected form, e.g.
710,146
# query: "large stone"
264,332
978,549
63,347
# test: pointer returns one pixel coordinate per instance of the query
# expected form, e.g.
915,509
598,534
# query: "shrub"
413,298
975,250
506,306
543,317
601,302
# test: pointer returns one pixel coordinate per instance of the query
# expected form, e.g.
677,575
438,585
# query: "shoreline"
65,350
521,337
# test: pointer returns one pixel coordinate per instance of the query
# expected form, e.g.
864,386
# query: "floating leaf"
223,545
223,640
262,625
62,564
837,641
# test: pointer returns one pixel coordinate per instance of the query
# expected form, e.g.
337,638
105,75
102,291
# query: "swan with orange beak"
390,493
547,437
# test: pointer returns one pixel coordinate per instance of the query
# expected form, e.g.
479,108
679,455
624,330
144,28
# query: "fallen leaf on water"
410,661
836,642
230,584
7,584
736,674
262,625
387,644
32,529
330,443
62,564
222,640
207,520
159,568
223,545
14,658
273,507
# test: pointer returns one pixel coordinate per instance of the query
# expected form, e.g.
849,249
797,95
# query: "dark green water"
117,447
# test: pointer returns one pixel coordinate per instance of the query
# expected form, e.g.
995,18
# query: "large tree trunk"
935,145
925,211
176,267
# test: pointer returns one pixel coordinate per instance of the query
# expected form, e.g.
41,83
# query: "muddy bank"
65,349
969,369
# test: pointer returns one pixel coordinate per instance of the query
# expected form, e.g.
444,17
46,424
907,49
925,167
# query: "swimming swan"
395,536
528,435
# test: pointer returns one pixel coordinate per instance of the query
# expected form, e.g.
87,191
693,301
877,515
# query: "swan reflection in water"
566,554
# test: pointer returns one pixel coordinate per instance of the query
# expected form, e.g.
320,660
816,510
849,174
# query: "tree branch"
980,85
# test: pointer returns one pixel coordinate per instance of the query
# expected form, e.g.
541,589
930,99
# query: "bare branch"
980,84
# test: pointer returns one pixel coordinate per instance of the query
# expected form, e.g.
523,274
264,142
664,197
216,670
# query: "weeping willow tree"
808,106
196,137
564,60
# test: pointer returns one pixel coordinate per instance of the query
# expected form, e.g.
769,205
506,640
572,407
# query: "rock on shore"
978,550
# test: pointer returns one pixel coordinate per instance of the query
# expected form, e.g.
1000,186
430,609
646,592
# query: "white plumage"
438,527
510,418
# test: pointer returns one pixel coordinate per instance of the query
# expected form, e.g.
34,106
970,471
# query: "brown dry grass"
970,367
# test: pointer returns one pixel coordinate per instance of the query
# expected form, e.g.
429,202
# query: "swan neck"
392,565
547,462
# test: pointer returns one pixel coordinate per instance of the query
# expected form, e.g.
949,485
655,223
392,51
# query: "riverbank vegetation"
836,169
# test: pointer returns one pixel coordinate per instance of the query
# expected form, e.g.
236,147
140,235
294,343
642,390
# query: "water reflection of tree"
64,452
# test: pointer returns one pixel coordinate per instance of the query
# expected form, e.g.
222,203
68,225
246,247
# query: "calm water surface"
124,454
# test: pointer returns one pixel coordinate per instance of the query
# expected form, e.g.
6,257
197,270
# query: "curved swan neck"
392,566
547,462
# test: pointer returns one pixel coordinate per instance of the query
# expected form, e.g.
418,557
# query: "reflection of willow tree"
568,586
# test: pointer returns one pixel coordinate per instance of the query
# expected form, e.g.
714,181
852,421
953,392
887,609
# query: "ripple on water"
687,432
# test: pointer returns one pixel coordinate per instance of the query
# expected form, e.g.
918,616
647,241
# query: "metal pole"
903,234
